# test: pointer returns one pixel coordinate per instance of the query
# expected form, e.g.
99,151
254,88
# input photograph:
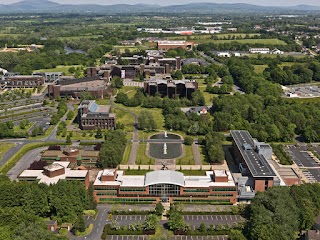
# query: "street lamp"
190,199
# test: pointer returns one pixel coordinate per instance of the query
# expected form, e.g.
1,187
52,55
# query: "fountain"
165,149
165,134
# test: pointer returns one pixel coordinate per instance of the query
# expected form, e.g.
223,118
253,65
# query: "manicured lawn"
207,96
122,49
124,118
5,147
187,159
126,153
136,172
59,68
141,158
193,172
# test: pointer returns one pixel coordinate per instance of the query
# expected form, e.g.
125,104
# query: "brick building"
171,88
168,186
55,172
24,81
88,158
93,116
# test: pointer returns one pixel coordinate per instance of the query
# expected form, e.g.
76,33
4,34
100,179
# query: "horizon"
271,3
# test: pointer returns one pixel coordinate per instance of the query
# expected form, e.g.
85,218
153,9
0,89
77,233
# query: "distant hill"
46,6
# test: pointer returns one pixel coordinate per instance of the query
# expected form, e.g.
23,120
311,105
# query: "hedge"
4,169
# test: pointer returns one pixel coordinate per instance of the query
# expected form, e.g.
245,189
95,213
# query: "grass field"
187,159
59,68
5,147
207,96
261,68
141,158
209,36
14,35
208,39
123,48
126,154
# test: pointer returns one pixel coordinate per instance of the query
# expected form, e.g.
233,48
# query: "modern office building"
252,157
55,172
164,185
171,88
93,116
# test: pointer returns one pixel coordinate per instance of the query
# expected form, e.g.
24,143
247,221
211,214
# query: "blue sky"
170,2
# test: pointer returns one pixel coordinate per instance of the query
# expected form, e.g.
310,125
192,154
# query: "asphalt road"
98,225
8,154
24,162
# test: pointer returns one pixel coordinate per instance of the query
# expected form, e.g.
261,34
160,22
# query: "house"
276,51
198,110
52,225
224,54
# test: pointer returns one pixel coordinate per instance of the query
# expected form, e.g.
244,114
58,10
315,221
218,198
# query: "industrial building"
216,186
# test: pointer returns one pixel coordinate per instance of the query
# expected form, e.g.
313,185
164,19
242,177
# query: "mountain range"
46,6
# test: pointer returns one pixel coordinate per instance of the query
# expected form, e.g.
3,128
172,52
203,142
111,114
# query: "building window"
164,190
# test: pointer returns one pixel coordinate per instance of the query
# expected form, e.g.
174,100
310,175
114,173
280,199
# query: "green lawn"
187,159
5,147
59,68
141,158
259,68
208,39
209,36
124,118
123,48
207,96
126,153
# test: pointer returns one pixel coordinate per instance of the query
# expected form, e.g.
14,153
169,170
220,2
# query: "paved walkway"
196,154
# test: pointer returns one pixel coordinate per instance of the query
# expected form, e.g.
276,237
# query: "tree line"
25,206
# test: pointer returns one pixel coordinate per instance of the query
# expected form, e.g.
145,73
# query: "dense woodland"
283,212
25,206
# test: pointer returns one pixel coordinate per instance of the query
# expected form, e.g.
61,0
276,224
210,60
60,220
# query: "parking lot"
305,159
196,220
305,91
301,156
127,237
129,218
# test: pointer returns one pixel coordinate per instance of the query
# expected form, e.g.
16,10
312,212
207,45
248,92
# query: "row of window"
105,188
200,200
223,189
132,189
195,190
127,200
221,195
106,193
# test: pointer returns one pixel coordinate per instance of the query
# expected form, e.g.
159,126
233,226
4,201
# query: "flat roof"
257,164
207,180
69,173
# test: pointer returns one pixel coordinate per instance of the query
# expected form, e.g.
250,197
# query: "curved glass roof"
164,176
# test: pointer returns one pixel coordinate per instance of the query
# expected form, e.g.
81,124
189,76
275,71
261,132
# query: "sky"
171,2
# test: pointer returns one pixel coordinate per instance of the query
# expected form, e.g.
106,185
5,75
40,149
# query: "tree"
68,140
188,141
177,75
150,223
202,228
70,115
80,224
159,209
146,121
99,133
116,82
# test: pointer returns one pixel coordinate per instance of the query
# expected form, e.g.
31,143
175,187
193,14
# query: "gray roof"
257,164
164,176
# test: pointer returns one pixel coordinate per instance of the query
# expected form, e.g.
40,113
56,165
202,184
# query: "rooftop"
164,176
39,175
257,164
